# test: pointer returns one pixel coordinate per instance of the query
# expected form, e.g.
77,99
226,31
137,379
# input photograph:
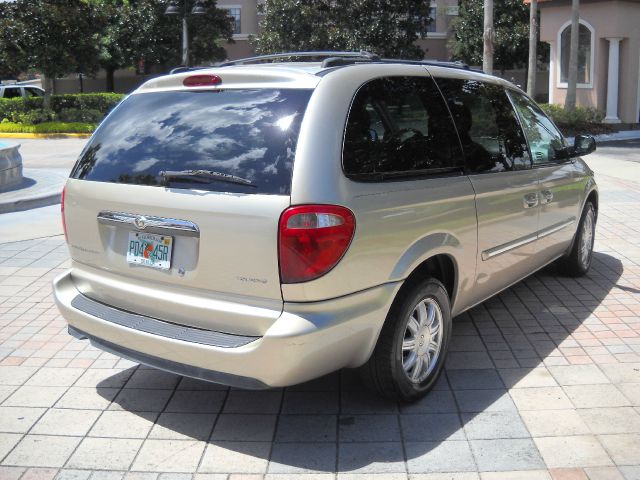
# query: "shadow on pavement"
495,346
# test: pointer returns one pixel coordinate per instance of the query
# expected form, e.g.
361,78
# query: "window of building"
487,125
433,15
399,127
585,54
234,14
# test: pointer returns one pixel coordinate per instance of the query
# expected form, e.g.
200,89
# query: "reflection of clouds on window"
270,169
249,133
232,163
144,164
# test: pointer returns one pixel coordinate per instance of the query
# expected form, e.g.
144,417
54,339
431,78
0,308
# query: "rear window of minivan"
249,134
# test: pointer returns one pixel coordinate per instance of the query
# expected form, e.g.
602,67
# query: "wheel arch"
441,266
593,198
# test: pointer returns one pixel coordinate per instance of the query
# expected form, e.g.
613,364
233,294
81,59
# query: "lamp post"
174,9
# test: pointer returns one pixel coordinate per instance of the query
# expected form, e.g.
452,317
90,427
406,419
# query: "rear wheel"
413,343
578,261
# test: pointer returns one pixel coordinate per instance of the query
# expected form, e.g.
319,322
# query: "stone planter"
10,166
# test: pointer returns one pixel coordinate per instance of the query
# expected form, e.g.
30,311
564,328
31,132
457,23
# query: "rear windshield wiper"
203,176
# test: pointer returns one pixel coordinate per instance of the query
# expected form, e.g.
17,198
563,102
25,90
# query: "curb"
617,136
37,201
612,137
44,135
40,188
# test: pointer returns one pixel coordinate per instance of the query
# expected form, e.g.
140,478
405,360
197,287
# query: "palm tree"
570,101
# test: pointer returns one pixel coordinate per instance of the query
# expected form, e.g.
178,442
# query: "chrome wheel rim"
586,241
422,340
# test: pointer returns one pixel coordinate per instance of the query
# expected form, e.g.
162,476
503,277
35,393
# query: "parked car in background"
17,91
262,224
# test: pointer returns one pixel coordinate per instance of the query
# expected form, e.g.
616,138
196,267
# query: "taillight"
312,240
202,81
64,222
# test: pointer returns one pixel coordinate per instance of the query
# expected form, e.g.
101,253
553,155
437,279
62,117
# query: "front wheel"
578,261
413,343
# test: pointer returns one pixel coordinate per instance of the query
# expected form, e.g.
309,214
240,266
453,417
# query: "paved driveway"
542,382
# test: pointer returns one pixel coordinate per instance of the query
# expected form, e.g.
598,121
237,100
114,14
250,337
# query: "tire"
578,261
388,370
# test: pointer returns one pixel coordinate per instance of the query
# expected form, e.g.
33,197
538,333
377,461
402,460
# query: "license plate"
149,250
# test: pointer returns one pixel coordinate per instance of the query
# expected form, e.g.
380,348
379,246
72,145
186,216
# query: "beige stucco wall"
613,18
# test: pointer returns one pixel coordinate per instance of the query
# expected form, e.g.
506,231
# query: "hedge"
47,127
580,120
81,107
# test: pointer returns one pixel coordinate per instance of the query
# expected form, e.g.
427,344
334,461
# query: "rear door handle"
530,200
547,196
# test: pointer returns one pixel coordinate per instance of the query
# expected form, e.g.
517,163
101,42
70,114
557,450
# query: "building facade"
246,23
608,55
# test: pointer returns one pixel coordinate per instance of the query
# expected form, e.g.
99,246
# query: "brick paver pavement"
542,382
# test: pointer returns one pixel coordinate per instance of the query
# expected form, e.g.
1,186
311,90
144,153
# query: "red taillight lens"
312,240
202,81
64,222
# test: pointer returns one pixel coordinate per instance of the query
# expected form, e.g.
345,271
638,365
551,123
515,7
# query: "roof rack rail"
432,63
312,55
335,59
337,62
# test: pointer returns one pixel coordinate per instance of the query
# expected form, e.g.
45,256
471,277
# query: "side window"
12,92
545,141
399,126
32,92
487,125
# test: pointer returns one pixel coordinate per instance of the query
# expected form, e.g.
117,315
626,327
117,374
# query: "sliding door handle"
547,196
530,200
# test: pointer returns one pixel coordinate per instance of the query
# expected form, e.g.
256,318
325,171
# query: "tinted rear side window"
399,126
250,134
12,92
491,136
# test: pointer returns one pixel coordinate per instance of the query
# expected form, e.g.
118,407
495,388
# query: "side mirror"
583,145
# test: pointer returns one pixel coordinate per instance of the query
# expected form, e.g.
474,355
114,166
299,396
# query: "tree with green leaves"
58,37
511,34
138,30
124,27
55,37
163,42
386,27
12,58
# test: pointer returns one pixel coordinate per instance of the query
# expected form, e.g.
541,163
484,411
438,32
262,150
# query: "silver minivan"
268,221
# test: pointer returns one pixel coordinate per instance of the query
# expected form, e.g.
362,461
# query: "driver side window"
545,141
399,126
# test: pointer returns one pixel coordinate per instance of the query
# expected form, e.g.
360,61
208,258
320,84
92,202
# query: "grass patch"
48,127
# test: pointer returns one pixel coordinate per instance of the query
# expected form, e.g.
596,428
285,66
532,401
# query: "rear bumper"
307,340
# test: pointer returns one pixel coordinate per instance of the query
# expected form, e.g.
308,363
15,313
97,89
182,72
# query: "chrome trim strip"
150,223
506,247
556,228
